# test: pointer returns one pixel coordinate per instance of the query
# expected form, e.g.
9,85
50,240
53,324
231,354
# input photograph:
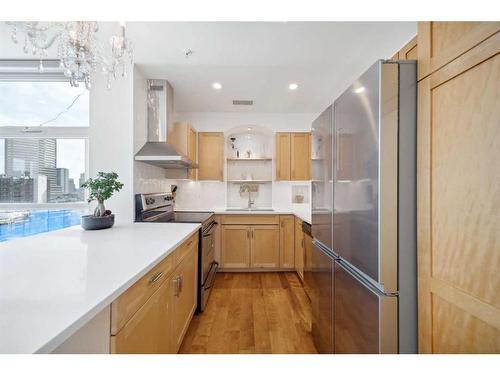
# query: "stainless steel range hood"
156,150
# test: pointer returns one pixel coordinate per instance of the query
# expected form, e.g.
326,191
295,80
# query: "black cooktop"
180,217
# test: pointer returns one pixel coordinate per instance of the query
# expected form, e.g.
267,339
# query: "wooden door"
210,156
265,246
299,249
458,200
287,241
192,152
408,52
148,331
183,296
441,42
235,246
283,157
300,156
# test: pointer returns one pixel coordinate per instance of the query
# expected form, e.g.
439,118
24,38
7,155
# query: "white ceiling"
257,60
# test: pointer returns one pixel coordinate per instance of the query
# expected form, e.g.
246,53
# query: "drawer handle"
155,277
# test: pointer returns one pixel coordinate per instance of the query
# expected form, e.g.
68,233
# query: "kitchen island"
52,284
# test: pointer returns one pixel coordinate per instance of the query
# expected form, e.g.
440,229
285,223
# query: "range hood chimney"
157,151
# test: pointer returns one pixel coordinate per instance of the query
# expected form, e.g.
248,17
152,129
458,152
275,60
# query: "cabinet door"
265,246
192,152
409,51
235,246
300,156
210,156
299,249
148,331
287,243
457,156
183,297
282,156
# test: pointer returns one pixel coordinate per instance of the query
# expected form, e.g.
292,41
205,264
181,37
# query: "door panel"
210,156
365,321
355,230
235,246
322,178
265,246
300,156
283,157
458,197
322,300
287,241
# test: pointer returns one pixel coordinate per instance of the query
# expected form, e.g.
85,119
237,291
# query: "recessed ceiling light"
249,129
293,86
216,85
359,90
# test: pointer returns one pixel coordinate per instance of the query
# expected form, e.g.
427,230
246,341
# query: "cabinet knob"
155,277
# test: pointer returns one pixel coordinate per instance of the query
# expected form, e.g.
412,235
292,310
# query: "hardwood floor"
253,313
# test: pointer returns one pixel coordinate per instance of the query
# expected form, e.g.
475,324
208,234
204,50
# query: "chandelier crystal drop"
78,50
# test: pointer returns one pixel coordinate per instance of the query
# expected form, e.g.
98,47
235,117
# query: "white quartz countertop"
53,283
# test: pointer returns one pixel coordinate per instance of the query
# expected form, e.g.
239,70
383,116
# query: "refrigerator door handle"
363,281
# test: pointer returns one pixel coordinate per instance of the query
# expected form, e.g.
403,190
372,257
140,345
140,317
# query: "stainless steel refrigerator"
363,292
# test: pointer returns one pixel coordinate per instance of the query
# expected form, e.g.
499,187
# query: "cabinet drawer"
186,247
250,219
134,297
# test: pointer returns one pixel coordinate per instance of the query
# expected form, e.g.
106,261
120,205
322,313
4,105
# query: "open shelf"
249,159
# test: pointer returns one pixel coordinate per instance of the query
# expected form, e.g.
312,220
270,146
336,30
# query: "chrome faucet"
250,200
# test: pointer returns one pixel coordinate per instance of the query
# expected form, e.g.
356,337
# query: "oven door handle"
210,229
212,279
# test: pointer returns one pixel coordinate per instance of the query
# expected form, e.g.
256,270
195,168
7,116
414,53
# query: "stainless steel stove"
159,208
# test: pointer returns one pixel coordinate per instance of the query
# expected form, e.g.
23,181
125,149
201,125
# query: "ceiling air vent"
242,102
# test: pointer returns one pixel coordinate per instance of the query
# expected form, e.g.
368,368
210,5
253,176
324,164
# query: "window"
43,136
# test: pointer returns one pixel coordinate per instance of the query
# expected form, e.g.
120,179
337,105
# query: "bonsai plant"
101,188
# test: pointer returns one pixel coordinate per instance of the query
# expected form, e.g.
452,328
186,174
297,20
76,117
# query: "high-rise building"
32,157
62,179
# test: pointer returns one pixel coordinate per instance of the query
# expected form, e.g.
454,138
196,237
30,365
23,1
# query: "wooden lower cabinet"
255,246
235,246
299,249
160,324
265,246
148,330
183,297
287,241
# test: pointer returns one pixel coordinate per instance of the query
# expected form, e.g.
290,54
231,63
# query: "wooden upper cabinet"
300,156
441,42
287,243
409,51
265,246
235,246
211,156
283,157
182,136
148,331
293,156
457,188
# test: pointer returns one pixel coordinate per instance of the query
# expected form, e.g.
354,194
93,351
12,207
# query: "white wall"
111,138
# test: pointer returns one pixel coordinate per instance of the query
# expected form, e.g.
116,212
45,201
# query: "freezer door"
365,175
322,298
322,177
365,320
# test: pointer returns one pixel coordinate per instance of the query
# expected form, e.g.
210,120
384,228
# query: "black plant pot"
91,222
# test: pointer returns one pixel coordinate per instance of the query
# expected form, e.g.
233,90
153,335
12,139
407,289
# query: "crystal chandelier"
77,48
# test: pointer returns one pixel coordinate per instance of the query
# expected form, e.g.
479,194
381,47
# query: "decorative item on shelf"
100,189
299,198
248,153
78,50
